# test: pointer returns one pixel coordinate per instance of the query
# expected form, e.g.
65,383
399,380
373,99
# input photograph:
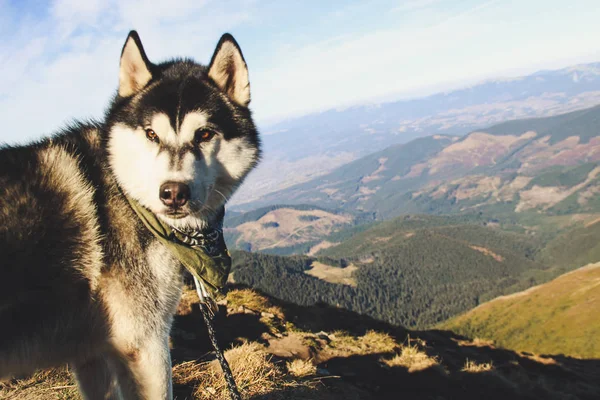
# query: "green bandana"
204,254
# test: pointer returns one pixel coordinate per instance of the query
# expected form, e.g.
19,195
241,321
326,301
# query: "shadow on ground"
463,369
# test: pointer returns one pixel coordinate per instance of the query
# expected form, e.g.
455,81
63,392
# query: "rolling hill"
544,164
559,317
420,270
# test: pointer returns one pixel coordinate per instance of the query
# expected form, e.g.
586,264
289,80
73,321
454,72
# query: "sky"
59,59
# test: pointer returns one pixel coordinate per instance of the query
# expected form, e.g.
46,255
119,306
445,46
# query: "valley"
420,270
419,233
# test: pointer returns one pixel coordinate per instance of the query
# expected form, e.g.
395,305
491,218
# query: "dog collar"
203,253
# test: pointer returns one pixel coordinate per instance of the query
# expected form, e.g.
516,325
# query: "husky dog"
82,281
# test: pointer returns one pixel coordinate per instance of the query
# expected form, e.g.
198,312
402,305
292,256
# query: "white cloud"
65,65
71,14
483,40
408,6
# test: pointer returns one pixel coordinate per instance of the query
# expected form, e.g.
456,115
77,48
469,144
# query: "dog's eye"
151,135
203,135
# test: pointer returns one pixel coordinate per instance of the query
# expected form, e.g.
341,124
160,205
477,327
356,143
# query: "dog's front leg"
97,379
150,367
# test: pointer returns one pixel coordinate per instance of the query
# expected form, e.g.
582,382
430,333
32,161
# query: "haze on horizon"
59,61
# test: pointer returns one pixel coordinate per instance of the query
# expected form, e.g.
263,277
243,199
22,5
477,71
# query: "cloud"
65,64
441,48
61,62
408,6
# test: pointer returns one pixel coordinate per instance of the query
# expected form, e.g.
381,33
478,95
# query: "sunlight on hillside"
559,317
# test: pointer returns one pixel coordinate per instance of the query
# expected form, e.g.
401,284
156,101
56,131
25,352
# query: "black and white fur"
82,281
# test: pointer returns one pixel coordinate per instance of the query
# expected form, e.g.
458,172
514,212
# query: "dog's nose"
174,194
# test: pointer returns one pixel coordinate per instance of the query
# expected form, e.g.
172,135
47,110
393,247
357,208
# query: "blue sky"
59,59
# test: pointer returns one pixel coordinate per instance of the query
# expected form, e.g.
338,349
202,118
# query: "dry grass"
254,371
476,342
252,300
479,342
412,357
320,246
291,375
474,367
52,384
551,195
372,342
301,368
488,252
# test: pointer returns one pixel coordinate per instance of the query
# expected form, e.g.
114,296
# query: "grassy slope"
559,317
283,351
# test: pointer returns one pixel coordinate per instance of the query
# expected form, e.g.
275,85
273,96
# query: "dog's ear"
134,71
229,71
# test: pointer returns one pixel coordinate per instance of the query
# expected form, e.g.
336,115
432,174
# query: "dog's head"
180,135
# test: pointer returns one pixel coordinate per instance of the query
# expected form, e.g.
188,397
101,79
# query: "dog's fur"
82,281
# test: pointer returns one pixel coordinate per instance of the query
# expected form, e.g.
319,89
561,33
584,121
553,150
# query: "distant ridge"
490,169
582,123
328,139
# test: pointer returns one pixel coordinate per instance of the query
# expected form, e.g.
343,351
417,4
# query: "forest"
417,271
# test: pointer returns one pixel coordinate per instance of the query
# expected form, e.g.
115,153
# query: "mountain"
279,350
300,149
559,317
542,164
352,185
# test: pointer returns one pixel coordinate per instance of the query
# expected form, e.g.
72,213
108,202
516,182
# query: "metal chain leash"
208,314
